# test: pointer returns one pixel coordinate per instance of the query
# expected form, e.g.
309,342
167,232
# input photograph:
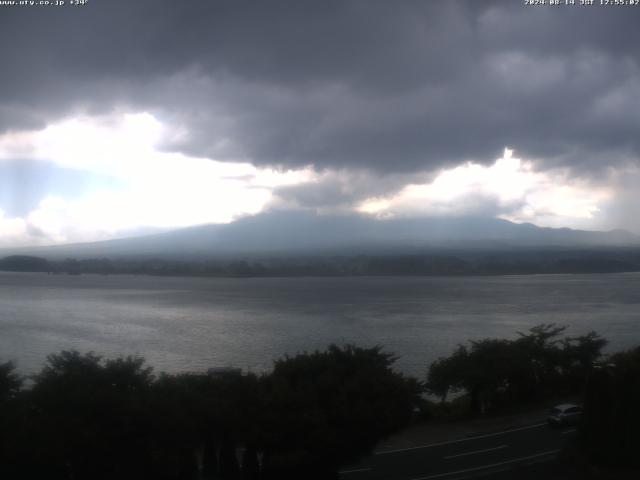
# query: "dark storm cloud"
341,190
387,86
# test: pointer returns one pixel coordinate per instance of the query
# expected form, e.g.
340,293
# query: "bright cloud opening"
157,189
510,188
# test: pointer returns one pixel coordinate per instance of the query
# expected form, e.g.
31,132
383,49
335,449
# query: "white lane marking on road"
355,470
568,431
484,467
385,452
476,451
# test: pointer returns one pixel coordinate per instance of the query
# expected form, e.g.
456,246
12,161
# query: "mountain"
304,233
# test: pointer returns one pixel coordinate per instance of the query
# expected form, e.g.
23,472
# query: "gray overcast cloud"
391,86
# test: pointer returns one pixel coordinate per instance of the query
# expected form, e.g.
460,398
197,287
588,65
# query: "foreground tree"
579,355
446,374
201,421
10,382
496,372
10,385
88,418
326,409
610,428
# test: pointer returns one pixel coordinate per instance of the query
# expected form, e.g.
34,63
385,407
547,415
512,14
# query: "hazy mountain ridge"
303,233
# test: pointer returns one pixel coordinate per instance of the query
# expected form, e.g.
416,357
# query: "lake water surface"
181,324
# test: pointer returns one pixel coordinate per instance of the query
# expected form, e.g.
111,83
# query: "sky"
121,118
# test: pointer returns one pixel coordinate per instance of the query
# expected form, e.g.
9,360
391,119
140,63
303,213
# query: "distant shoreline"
398,264
397,275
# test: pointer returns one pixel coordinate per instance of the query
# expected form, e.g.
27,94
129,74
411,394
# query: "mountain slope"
296,232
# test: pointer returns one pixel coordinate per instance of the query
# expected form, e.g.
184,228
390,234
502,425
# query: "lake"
190,324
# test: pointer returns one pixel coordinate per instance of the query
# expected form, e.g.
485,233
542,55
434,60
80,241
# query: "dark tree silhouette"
541,345
326,409
88,417
495,372
10,382
201,422
10,385
446,373
24,263
610,428
487,370
579,355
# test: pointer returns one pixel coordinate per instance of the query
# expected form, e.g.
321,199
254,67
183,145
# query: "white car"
565,414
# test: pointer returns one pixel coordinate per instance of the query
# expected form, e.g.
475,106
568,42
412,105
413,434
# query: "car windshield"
555,411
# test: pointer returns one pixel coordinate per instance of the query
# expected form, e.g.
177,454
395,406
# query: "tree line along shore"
426,264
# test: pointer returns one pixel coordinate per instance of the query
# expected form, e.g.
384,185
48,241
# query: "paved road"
464,458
